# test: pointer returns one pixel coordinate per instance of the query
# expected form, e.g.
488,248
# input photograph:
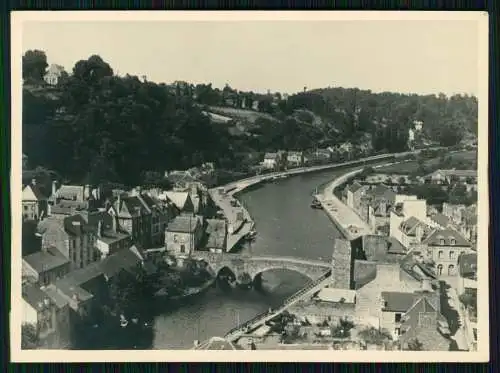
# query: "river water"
286,225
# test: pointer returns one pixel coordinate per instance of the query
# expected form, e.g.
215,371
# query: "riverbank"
240,223
347,221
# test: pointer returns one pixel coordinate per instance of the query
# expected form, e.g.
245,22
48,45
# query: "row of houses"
406,218
282,159
377,283
82,236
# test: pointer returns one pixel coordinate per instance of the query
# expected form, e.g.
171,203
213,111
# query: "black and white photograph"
275,182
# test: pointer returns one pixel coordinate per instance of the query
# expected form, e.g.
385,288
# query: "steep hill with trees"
95,125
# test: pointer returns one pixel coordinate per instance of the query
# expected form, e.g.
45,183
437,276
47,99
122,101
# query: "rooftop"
441,219
46,260
179,199
397,301
337,295
35,297
446,237
37,192
184,224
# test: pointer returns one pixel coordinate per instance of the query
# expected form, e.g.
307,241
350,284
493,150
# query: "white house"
53,74
270,161
34,202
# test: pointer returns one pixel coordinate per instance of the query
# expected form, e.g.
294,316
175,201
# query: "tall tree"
34,65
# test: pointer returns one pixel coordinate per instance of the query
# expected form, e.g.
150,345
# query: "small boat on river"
251,235
315,204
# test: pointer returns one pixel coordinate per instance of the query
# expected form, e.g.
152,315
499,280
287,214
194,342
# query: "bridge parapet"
254,265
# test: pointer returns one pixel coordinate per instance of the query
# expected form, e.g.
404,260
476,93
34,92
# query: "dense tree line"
104,127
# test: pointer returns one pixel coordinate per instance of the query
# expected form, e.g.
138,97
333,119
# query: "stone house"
38,310
184,234
271,161
424,322
443,247
85,289
402,211
354,193
34,202
389,277
377,204
412,232
467,273
294,159
217,234
181,200
72,236
134,217
111,238
395,304
449,176
53,74
45,266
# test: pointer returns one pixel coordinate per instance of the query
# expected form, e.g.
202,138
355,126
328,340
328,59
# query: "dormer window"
453,241
441,241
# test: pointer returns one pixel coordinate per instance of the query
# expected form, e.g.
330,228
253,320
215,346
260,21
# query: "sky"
423,57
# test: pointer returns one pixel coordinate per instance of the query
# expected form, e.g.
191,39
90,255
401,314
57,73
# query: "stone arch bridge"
240,264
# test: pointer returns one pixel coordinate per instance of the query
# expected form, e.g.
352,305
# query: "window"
25,208
397,317
440,254
451,270
441,241
183,248
440,269
452,255
398,331
453,241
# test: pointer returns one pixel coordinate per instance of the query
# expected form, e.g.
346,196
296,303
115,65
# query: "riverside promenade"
240,223
345,219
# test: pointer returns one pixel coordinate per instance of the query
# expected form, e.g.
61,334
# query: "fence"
285,304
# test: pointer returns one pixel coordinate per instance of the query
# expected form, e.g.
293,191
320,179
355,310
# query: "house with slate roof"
271,161
354,193
377,204
45,266
184,234
396,303
34,202
38,310
443,247
424,322
134,217
72,236
412,232
85,288
110,237
181,200
449,176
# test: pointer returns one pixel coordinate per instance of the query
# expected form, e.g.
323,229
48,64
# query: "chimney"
54,187
118,202
426,286
33,181
86,192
